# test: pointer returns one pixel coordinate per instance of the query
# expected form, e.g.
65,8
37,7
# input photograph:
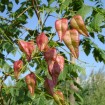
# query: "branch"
46,19
11,21
36,9
24,11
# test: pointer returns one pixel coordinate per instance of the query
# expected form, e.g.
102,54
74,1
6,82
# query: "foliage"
93,88
15,15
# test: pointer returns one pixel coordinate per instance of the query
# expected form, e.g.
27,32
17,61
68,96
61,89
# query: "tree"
93,88
51,86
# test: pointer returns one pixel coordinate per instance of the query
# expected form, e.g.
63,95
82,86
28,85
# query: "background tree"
93,88
14,17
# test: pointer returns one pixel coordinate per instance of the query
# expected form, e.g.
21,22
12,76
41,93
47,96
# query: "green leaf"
101,38
8,47
5,66
1,56
87,47
53,43
16,1
99,55
50,9
84,11
79,97
2,7
47,28
50,102
64,4
40,100
75,68
4,1
30,12
10,6
64,73
50,1
77,4
97,22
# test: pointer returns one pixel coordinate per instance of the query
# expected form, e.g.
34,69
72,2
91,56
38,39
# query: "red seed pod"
31,82
48,84
27,47
75,37
55,67
61,27
23,46
71,40
50,66
31,49
77,23
50,54
60,95
17,68
42,41
60,61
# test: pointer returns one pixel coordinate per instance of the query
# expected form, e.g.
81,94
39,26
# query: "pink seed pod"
71,40
50,54
17,68
42,41
23,46
31,49
27,47
77,23
31,82
48,84
60,95
61,27
55,67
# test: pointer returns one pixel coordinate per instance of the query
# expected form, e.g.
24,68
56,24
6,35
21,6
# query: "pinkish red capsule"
49,85
56,67
60,95
17,68
50,54
77,23
42,41
61,27
27,47
71,40
31,82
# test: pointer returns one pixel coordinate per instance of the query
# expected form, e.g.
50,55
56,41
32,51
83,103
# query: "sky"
91,63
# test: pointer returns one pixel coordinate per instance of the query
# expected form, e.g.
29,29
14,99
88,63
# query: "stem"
46,19
5,36
24,11
72,98
72,86
36,9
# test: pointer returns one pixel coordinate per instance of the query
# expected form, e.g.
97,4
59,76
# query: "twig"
36,9
25,28
24,11
46,19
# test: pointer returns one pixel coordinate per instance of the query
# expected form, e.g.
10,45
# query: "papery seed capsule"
50,54
31,82
17,68
42,41
71,40
61,27
60,95
27,47
77,23
48,84
56,67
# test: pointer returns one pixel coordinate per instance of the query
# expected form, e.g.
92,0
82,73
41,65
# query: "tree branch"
36,9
